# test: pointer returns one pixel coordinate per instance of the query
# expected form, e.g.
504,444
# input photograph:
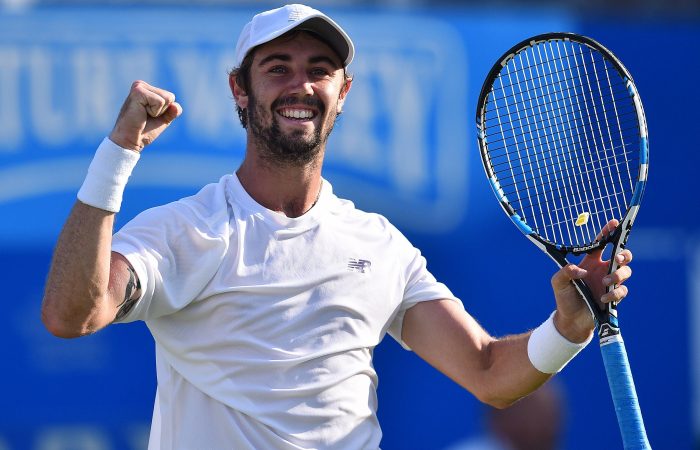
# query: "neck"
289,190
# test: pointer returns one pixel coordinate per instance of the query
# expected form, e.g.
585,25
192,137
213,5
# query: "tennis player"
265,292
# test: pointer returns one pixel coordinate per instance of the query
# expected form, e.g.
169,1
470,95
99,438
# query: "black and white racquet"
563,139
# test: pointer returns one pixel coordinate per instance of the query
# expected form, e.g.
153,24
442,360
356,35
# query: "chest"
313,287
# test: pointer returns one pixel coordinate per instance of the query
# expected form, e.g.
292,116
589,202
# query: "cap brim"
325,28
332,34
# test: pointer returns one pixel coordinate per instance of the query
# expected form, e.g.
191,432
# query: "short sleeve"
421,286
175,250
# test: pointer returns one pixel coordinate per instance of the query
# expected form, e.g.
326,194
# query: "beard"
293,149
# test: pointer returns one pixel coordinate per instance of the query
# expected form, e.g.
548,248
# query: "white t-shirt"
265,325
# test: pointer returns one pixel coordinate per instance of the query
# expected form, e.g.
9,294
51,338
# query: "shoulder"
347,211
367,223
206,211
211,200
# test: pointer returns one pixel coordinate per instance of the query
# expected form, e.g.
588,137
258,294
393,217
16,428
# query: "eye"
320,72
278,69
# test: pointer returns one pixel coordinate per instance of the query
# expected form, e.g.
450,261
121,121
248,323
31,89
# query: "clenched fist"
145,114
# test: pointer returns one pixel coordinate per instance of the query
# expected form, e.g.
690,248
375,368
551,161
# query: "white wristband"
107,176
548,350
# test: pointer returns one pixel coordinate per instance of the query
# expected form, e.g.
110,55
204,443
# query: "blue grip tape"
629,416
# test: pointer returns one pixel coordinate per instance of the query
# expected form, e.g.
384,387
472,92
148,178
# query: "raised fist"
145,114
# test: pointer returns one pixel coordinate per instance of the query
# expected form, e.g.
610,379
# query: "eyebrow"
326,59
281,56
286,58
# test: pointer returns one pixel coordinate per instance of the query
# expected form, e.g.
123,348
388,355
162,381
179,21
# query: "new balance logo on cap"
359,265
295,13
272,24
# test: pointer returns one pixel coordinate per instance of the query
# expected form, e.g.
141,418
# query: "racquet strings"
563,140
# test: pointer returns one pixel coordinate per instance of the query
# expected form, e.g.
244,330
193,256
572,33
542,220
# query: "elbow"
493,387
57,327
61,324
495,400
499,402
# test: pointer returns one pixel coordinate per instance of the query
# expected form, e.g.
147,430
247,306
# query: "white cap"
269,25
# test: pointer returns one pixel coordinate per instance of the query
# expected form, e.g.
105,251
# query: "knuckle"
158,100
559,276
620,292
623,274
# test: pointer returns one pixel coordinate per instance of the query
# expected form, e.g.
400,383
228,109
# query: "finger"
158,124
155,104
158,91
618,277
607,229
624,257
615,295
173,111
154,100
167,97
562,278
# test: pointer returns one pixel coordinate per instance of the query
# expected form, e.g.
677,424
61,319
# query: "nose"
301,84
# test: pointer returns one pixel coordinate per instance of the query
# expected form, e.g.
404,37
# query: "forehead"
297,44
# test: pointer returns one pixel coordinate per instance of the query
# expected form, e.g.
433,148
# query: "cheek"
332,102
335,106
262,94
260,105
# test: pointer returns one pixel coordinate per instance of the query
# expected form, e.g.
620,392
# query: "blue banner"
405,147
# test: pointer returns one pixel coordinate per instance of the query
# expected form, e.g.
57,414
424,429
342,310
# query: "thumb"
156,125
173,112
561,280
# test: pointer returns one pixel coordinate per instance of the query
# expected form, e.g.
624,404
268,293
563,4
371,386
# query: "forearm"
507,373
77,298
518,364
496,371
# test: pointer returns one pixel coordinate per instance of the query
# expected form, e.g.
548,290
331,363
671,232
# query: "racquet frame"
612,346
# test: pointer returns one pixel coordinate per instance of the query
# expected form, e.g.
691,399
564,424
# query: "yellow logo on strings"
582,219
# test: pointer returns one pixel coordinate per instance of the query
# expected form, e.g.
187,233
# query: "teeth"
297,113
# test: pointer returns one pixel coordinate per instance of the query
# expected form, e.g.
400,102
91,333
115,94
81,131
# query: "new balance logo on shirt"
359,265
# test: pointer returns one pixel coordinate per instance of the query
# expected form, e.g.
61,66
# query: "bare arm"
499,371
496,371
88,285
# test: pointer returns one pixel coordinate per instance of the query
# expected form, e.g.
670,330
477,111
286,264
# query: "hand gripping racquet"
563,139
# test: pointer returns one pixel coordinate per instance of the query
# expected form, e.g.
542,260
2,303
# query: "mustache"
307,101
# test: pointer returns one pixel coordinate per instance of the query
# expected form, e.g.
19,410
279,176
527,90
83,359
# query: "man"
265,293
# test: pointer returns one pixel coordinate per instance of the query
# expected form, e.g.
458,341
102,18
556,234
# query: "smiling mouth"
297,114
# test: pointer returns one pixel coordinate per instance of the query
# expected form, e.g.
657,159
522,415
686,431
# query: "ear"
343,93
239,94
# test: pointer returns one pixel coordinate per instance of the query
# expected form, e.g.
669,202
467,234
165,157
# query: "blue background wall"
405,147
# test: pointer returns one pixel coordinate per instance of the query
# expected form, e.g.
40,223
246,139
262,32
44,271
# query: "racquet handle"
629,416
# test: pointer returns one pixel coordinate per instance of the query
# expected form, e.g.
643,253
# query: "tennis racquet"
563,140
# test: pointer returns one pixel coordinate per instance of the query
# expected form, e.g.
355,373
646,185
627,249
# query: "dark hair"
242,73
